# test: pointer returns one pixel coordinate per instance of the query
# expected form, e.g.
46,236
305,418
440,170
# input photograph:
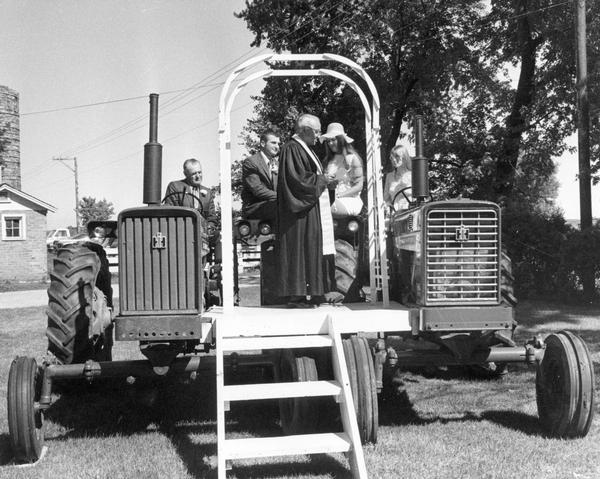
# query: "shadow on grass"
539,314
107,408
398,410
6,455
195,456
183,413
517,421
317,465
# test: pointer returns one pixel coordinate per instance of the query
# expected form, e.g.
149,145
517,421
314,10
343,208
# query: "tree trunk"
517,121
396,125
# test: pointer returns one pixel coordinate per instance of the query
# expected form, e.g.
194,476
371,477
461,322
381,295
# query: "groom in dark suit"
190,192
259,180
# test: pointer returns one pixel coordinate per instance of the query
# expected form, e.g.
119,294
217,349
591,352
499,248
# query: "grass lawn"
440,427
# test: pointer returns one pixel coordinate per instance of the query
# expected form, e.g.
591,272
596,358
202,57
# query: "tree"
451,62
417,54
91,209
538,38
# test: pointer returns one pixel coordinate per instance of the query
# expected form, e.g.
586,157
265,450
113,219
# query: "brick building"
23,237
23,255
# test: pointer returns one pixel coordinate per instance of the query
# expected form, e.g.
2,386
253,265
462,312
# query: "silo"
10,152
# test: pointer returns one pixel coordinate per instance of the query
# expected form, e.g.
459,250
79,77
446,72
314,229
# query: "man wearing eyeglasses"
306,245
190,192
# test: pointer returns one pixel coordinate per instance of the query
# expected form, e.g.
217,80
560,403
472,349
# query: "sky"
68,53
568,193
76,52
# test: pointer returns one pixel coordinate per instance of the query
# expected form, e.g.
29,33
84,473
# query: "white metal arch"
377,247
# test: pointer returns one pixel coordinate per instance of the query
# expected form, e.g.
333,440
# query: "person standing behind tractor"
191,193
398,179
259,180
306,246
344,167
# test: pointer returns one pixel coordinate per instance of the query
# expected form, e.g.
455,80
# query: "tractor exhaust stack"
153,158
420,172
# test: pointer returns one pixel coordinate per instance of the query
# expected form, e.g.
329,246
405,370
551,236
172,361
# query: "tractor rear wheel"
79,305
298,415
565,386
363,383
25,418
346,270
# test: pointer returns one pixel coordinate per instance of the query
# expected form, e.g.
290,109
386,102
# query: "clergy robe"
300,248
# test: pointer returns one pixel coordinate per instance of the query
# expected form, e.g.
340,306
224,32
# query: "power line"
183,94
118,100
114,134
139,151
134,125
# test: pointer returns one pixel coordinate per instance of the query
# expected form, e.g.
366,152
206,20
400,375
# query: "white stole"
324,206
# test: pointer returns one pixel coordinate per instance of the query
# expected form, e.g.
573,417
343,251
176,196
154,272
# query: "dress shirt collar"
309,150
266,158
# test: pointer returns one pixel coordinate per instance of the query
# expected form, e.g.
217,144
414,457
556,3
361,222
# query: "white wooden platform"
280,321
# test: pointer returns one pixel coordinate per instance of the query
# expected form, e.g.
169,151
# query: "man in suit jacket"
190,192
259,180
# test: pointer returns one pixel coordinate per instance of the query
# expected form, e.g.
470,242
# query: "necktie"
196,193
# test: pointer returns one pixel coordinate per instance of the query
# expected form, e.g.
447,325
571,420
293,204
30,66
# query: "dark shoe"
301,303
334,297
317,300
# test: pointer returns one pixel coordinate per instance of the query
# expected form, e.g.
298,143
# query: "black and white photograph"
299,239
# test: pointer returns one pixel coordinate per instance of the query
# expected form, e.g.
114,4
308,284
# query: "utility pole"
76,174
583,138
583,120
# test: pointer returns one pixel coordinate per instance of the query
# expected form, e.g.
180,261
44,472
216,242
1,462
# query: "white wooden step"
248,392
287,445
249,343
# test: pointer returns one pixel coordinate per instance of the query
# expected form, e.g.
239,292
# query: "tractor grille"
462,256
159,265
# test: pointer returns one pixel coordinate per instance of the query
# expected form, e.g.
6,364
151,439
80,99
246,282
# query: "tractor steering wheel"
403,191
184,193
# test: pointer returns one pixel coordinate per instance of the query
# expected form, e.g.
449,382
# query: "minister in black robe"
302,270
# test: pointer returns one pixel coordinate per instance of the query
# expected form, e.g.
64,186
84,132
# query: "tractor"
435,273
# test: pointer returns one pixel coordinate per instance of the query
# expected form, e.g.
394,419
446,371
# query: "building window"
13,227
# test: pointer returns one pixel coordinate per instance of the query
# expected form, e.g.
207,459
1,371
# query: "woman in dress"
344,167
398,179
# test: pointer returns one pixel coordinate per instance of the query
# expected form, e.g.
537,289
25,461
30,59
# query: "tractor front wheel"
25,418
565,386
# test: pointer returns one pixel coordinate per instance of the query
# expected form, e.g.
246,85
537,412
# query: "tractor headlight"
98,232
353,226
244,229
264,228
